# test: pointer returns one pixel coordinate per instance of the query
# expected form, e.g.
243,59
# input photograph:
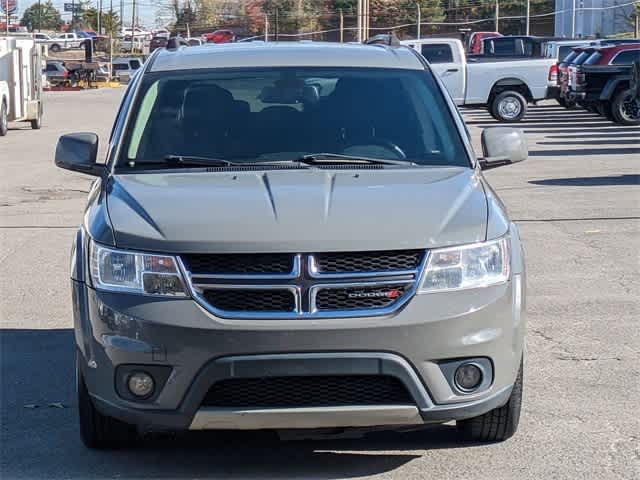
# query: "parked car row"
68,73
599,78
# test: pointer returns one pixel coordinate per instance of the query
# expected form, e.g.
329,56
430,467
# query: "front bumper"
118,329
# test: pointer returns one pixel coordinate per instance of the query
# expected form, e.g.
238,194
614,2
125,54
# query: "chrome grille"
312,391
323,285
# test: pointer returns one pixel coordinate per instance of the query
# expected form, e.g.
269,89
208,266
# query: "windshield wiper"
195,160
336,158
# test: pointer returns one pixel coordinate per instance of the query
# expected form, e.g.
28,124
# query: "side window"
626,57
135,64
51,68
437,52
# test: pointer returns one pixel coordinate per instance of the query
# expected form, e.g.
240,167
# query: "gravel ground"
577,201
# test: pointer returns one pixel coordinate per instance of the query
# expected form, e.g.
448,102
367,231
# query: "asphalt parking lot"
577,202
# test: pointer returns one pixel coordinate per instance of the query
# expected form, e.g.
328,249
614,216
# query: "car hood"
303,210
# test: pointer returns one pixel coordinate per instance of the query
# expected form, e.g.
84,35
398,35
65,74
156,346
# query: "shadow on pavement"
43,442
561,128
581,152
525,124
583,141
605,133
590,181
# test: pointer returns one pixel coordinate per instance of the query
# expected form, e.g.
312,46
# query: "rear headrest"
203,98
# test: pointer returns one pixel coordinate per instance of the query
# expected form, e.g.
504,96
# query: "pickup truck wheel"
509,106
498,424
98,431
626,108
54,48
4,119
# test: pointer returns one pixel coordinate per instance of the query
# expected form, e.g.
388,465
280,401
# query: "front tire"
99,431
4,119
626,108
498,424
509,106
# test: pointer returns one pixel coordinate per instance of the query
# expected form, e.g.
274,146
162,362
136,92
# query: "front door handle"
452,70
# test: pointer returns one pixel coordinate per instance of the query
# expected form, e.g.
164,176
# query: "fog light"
141,384
468,376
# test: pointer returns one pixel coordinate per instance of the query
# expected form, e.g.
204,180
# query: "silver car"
294,236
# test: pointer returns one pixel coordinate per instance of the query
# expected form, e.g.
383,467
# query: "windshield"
277,114
579,60
569,58
564,51
593,58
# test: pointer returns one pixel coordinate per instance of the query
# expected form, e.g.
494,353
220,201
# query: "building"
593,18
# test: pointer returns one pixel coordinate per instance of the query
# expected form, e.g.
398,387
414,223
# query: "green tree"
43,16
110,21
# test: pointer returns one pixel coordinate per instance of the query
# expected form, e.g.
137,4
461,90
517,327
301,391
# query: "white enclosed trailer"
20,82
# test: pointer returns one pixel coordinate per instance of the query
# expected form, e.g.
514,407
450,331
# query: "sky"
147,9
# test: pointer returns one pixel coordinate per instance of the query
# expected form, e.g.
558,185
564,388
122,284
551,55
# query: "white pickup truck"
504,85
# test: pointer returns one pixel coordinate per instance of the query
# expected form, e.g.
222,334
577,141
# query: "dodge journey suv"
294,236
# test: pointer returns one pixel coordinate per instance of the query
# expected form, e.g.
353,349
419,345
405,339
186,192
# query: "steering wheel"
363,148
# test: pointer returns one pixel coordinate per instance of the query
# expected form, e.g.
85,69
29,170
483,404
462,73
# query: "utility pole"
121,15
528,16
498,15
366,19
99,17
266,27
277,23
419,21
39,15
359,17
133,23
73,14
573,19
637,29
111,23
342,26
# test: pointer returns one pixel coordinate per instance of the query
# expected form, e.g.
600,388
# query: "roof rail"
388,39
176,42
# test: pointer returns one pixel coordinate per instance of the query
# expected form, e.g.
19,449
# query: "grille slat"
349,298
239,264
380,261
251,300
311,391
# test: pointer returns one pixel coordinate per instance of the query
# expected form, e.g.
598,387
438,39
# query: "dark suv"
603,83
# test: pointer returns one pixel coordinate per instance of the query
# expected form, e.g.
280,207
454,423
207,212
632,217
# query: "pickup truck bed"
504,85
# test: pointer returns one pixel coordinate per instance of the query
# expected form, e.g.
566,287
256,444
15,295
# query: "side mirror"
78,152
502,146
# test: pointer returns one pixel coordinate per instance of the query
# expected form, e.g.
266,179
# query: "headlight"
469,266
123,271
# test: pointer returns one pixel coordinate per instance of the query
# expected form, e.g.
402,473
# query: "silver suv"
290,236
